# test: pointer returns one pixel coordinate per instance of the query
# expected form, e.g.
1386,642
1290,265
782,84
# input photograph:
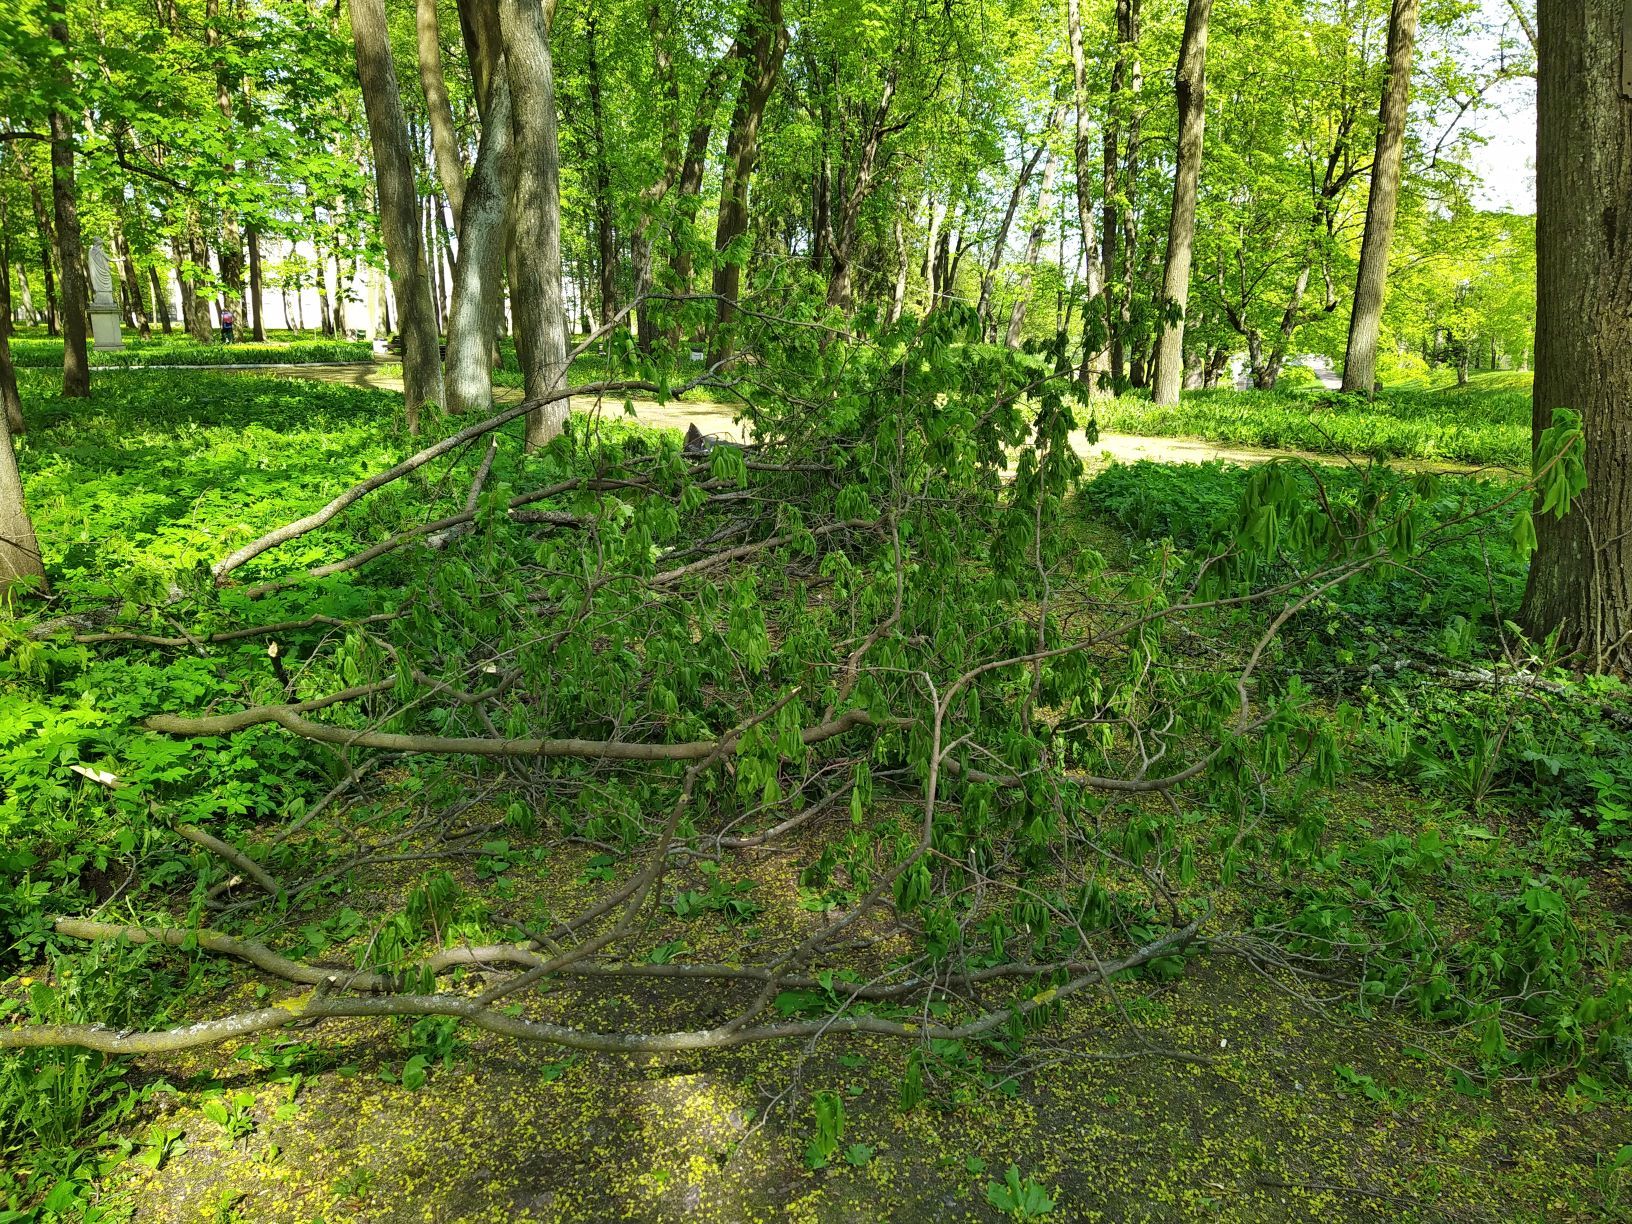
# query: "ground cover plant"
44,353
872,760
1485,423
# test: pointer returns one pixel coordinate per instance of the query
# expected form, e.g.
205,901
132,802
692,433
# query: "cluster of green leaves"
1475,578
1487,423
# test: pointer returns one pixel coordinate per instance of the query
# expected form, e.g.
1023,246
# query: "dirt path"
720,420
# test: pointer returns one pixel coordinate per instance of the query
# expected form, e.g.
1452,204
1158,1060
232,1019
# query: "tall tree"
759,48
1190,91
1581,576
1365,323
399,209
76,363
1093,355
450,170
541,317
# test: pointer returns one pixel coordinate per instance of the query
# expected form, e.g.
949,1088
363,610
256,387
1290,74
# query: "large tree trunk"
76,363
1581,576
479,273
1093,346
1360,359
192,259
19,549
762,42
1190,91
398,203
541,329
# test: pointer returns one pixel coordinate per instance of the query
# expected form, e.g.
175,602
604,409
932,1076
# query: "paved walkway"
719,420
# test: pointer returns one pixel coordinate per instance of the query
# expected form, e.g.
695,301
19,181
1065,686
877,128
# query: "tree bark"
1190,91
11,404
19,548
161,299
133,286
842,241
762,41
257,296
398,204
450,170
76,362
48,243
478,276
1093,347
1365,322
541,326
606,242
1581,576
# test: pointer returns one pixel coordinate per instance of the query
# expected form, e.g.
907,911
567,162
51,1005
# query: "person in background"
228,321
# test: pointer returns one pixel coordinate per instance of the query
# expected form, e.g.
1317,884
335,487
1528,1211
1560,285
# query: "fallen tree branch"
233,855
321,1004
317,518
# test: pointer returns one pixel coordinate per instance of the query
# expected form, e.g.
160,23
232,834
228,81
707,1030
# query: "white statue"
104,310
101,274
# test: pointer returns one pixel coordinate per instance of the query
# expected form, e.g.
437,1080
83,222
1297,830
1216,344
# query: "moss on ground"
1219,1095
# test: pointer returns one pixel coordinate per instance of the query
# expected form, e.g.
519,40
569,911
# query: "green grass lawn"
32,349
1486,422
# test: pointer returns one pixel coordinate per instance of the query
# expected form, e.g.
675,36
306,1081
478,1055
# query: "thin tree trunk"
1034,244
48,243
161,299
76,363
605,232
450,170
1581,576
898,294
988,279
1094,360
257,295
541,332
11,404
763,40
394,182
1190,91
133,285
1365,322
